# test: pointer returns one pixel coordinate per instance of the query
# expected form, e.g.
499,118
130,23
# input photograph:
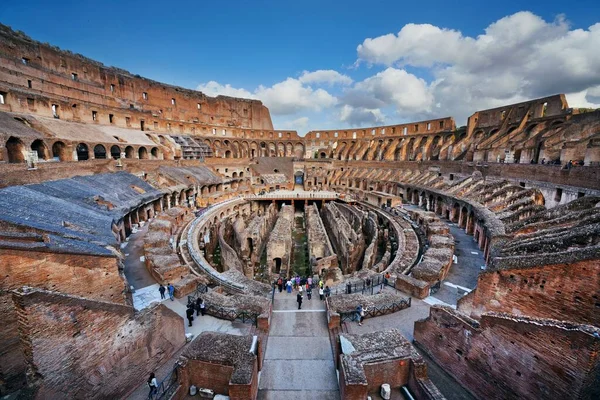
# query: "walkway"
298,362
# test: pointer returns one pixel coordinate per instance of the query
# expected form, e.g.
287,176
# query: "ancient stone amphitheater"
474,251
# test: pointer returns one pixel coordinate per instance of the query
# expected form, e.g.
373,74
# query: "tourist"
362,312
197,307
386,278
171,291
543,161
321,283
356,316
189,313
280,284
327,291
321,294
162,290
309,281
299,300
202,308
288,285
153,385
308,291
299,288
297,281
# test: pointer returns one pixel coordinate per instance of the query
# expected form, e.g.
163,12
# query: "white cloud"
518,57
291,96
325,76
213,88
361,116
283,98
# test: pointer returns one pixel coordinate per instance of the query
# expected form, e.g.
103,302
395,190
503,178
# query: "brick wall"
12,363
509,358
87,276
563,291
77,348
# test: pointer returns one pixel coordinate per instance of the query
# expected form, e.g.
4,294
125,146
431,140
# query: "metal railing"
371,286
233,315
166,386
376,311
200,289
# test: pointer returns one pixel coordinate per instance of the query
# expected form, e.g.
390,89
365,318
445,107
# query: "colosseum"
432,261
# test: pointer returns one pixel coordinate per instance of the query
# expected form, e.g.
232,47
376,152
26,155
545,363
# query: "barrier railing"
166,386
200,289
376,311
369,286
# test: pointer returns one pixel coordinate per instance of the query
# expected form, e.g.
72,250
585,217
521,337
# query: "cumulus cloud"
291,96
360,116
328,76
213,88
518,57
283,98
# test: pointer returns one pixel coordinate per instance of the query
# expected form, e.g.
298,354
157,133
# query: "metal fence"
372,285
200,289
376,311
167,386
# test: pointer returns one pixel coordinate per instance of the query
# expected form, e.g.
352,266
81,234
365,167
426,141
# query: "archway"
129,151
99,152
15,149
276,265
83,152
41,149
142,153
115,152
154,152
59,150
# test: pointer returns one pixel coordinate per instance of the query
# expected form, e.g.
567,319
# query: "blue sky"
449,60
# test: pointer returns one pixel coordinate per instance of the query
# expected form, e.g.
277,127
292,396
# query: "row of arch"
250,149
17,151
438,147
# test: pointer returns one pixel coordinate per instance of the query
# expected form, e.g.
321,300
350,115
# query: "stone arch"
115,152
41,149
289,149
280,150
129,152
272,150
99,152
15,149
155,152
299,150
142,153
83,152
228,153
59,149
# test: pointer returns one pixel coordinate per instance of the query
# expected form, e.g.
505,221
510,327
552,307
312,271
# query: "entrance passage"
299,360
300,263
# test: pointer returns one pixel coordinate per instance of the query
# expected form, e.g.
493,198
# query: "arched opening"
115,152
234,175
129,151
41,149
154,152
323,155
99,152
142,153
82,152
15,149
59,150
228,154
276,265
250,245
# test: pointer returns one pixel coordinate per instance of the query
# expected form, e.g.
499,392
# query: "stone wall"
280,244
349,244
12,362
93,277
78,348
506,357
568,292
320,251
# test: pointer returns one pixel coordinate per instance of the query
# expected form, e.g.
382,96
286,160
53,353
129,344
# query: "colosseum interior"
474,251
